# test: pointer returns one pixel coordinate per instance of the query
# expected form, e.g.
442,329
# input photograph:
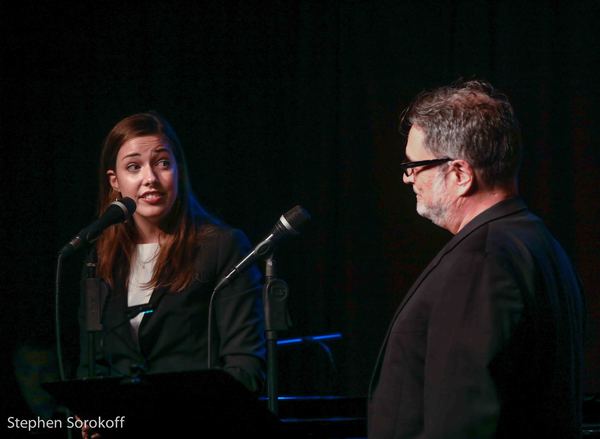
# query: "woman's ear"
112,179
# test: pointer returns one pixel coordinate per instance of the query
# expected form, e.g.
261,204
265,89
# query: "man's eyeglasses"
407,167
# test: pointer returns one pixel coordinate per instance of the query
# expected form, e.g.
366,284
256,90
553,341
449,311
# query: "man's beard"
437,210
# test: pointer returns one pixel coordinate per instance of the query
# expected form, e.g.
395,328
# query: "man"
487,342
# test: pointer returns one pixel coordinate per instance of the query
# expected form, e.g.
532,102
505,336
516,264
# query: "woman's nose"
149,175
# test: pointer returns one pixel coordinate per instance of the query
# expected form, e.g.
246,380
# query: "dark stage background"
278,104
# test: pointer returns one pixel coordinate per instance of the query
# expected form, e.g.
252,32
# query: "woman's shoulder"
222,235
219,230
222,245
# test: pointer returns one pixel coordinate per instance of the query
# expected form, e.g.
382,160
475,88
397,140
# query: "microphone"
289,224
118,211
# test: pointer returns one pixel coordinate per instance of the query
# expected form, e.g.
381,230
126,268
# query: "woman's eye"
164,163
133,167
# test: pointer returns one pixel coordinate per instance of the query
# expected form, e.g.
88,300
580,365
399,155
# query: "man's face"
428,182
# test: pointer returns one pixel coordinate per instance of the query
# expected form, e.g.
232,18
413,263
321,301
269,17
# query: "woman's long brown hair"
182,229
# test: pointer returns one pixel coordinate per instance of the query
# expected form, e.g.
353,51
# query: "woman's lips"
152,197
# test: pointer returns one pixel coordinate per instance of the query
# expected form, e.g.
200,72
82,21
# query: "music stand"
208,400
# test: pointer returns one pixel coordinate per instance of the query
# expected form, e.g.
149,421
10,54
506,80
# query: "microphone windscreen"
129,204
296,217
117,212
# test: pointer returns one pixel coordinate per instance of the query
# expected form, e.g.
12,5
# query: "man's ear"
112,179
464,177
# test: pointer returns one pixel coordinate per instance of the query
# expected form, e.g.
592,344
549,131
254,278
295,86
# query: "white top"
142,268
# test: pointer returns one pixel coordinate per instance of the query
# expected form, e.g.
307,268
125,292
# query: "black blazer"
488,340
174,337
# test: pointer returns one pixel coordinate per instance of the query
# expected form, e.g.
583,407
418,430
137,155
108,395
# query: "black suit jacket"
174,337
488,340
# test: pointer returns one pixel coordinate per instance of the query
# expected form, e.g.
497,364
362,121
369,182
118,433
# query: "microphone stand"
95,294
277,318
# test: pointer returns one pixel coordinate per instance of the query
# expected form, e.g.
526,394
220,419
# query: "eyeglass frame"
406,166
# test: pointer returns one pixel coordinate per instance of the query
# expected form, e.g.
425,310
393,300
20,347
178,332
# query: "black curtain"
285,103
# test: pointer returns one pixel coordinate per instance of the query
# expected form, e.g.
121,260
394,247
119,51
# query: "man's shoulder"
516,233
521,240
523,228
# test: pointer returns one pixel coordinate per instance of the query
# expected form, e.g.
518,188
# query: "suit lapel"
155,298
407,297
117,323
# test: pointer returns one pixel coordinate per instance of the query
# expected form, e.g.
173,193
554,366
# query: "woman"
170,255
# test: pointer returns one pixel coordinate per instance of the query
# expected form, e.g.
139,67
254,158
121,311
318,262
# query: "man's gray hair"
470,120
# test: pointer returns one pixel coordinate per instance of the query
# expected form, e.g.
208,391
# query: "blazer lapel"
409,294
155,298
117,321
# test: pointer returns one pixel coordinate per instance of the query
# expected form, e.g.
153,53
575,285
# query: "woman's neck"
147,233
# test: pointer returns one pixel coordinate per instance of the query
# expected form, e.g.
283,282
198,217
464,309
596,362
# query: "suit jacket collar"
500,210
497,211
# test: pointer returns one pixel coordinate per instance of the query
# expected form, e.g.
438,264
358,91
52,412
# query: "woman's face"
146,171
